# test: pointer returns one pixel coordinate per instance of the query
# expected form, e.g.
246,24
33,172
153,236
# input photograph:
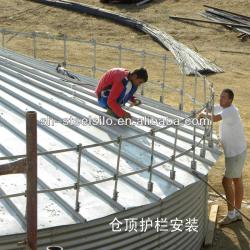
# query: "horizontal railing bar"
106,179
42,153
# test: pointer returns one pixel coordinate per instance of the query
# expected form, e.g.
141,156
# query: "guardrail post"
205,89
195,89
203,150
210,143
31,148
3,38
77,184
163,78
150,183
34,44
120,55
94,58
65,50
193,162
181,104
172,171
115,193
143,55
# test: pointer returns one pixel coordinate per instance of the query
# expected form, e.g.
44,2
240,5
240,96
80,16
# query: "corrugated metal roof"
189,202
29,84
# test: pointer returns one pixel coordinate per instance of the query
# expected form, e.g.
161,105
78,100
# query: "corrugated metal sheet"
190,202
28,84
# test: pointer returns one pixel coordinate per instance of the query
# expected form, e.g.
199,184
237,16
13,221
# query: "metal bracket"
150,186
172,174
203,153
193,165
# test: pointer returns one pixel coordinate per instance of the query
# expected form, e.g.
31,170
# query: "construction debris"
138,2
235,52
211,225
189,60
220,15
143,2
120,1
228,19
212,22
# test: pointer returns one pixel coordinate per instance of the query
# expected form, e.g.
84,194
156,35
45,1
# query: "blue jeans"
103,102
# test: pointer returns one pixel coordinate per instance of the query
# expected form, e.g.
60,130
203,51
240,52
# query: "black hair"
230,93
141,74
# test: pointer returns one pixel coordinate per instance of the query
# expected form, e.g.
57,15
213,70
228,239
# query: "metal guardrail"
163,60
80,150
208,104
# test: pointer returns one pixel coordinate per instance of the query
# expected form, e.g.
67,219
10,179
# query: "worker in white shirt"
235,149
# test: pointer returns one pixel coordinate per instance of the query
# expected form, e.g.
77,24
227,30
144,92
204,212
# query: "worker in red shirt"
116,87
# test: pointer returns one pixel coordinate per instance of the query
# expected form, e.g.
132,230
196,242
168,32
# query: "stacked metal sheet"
189,60
221,15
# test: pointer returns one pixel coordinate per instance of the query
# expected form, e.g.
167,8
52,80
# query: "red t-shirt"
113,78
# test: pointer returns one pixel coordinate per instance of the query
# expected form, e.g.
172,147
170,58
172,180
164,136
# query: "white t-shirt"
231,130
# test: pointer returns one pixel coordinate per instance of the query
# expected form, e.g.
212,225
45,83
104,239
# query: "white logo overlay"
159,224
108,121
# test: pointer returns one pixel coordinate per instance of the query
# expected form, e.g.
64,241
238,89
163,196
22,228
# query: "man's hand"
137,102
201,115
127,116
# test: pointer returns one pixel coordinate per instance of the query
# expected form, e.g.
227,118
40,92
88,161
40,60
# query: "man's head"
139,76
226,98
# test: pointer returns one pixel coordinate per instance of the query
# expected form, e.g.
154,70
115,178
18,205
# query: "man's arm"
216,118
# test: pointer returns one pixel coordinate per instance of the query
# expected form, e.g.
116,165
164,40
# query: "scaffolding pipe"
193,162
195,90
163,78
204,89
34,44
210,144
120,55
150,183
181,104
143,56
3,37
94,58
65,50
172,171
77,187
116,176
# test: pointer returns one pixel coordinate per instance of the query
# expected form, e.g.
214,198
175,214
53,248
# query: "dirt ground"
208,40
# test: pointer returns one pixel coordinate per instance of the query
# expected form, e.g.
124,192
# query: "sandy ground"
208,40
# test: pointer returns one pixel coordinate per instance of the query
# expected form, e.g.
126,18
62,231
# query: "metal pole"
94,58
193,162
164,78
31,149
3,38
120,55
150,183
195,90
203,150
210,144
34,44
77,186
115,193
65,50
181,104
143,55
172,171
205,89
